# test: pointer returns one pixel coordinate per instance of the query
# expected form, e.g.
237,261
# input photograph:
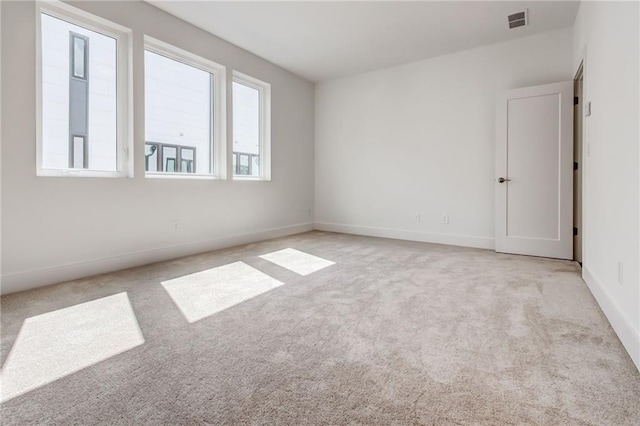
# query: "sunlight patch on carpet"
205,293
53,345
297,261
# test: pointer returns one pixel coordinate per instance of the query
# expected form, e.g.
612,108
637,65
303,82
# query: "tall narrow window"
181,113
251,124
83,89
78,101
78,158
79,51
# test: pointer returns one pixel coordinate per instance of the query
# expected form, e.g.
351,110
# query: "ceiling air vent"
519,19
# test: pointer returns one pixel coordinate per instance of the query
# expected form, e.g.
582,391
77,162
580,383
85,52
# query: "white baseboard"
401,234
26,280
623,326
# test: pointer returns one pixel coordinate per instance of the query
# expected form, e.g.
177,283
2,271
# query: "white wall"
419,139
55,229
606,35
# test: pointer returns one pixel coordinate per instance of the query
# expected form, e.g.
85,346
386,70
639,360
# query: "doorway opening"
577,163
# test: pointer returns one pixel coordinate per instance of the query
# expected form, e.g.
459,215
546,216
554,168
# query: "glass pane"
186,162
255,166
75,106
244,165
186,153
78,153
78,57
169,159
178,111
151,158
246,125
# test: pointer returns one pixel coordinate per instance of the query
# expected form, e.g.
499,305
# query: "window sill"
80,173
186,176
251,179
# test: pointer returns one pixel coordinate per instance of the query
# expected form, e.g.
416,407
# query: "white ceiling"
323,40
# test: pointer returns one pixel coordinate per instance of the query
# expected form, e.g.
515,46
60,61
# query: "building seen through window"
246,130
178,116
79,105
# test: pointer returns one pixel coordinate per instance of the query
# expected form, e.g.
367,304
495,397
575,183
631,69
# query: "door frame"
578,148
582,68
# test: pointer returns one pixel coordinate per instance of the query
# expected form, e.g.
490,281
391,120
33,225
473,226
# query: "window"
251,128
83,126
78,158
160,157
79,52
183,113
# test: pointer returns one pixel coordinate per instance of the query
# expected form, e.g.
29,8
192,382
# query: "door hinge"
576,100
575,165
575,231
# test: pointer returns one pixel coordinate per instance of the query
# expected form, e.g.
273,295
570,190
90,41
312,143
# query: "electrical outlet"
620,272
445,219
175,224
417,217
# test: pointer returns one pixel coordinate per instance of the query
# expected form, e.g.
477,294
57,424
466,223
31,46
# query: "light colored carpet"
394,332
297,261
205,293
59,343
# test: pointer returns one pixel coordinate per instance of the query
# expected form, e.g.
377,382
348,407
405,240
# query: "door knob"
503,180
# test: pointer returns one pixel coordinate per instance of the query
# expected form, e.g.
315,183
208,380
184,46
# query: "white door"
534,171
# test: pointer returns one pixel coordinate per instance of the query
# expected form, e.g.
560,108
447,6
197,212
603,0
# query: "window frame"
218,132
264,90
124,93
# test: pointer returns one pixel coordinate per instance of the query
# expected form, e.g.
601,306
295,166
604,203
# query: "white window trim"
219,72
124,94
265,126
